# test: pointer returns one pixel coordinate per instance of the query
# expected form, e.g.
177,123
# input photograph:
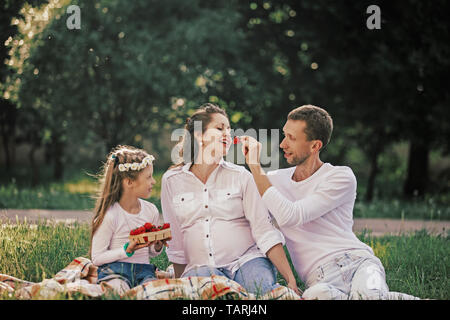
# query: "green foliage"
135,70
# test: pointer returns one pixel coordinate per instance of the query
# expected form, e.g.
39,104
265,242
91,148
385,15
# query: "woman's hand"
161,243
293,285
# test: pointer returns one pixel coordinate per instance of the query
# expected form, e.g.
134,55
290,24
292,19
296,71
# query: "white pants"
356,274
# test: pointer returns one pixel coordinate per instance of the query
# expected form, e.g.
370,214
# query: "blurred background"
136,69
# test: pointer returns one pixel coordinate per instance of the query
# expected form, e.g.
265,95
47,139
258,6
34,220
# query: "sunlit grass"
90,185
78,193
416,264
81,186
36,252
75,194
425,209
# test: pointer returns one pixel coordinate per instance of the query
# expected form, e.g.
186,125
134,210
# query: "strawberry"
148,226
166,226
146,239
236,140
141,230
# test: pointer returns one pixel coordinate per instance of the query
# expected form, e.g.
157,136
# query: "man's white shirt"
315,214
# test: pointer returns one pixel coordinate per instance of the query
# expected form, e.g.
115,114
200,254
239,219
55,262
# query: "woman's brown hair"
204,115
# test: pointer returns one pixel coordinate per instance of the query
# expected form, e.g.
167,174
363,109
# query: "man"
312,203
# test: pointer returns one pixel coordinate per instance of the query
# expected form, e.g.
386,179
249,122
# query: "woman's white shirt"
222,223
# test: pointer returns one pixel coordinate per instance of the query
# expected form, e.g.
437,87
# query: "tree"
8,110
374,82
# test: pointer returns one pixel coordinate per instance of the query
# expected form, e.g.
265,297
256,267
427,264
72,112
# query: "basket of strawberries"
150,232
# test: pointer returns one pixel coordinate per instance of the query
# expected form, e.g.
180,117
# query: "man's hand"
251,149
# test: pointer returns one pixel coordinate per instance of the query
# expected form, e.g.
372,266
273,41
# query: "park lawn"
78,193
416,264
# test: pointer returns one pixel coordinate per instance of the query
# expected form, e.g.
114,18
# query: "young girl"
127,177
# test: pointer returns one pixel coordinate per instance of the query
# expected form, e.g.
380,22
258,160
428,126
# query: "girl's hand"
160,243
134,245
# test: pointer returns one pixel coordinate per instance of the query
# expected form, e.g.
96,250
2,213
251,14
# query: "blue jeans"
257,276
133,274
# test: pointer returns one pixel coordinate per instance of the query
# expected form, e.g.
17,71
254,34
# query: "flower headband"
135,165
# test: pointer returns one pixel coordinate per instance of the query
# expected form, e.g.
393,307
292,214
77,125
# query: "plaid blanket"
81,276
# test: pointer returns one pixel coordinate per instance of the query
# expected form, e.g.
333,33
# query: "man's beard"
298,160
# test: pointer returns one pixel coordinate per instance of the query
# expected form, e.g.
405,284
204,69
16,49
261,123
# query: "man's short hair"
319,124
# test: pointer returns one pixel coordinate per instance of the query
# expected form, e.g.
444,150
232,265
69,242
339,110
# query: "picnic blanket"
81,276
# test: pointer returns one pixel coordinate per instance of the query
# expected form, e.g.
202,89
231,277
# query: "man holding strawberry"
312,202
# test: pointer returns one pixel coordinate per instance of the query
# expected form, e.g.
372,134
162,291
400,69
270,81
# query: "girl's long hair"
110,178
188,143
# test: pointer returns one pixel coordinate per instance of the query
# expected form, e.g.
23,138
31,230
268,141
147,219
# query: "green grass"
429,208
78,190
416,264
76,193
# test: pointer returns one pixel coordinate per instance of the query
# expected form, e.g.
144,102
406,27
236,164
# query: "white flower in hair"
137,166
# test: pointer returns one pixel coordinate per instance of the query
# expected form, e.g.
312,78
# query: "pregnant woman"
215,211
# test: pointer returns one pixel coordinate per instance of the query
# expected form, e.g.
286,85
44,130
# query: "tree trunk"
58,162
8,116
34,168
374,169
417,176
6,148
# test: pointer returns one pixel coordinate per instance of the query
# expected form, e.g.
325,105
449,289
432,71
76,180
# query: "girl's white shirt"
111,236
222,223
